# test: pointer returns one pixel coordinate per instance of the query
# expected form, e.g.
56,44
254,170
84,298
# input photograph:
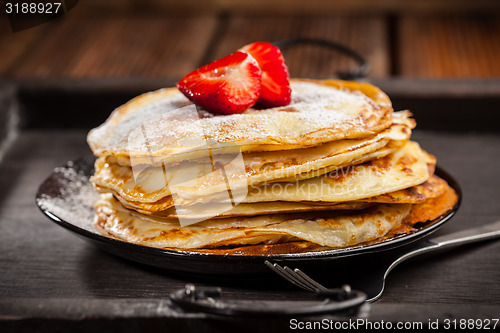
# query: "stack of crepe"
334,168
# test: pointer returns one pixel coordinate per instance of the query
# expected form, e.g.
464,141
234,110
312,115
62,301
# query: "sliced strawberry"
225,86
275,77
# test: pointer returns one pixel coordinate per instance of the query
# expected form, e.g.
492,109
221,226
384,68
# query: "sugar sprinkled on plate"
70,197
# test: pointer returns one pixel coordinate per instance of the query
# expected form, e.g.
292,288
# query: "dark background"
440,59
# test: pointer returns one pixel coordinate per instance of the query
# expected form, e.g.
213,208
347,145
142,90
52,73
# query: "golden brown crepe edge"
426,212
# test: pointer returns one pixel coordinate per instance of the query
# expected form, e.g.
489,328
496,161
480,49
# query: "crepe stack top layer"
334,168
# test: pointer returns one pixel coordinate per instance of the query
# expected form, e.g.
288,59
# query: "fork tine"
307,279
281,272
299,278
291,278
287,276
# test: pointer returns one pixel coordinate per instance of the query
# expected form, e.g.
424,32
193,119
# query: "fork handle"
489,231
483,233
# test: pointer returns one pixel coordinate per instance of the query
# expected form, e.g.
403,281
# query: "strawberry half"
225,86
275,76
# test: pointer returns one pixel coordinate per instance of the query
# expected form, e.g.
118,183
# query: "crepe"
277,233
404,168
402,177
335,168
429,210
432,188
335,231
149,183
165,127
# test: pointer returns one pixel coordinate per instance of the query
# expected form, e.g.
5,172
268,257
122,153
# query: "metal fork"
374,285
301,279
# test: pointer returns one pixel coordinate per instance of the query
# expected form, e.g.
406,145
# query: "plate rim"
391,243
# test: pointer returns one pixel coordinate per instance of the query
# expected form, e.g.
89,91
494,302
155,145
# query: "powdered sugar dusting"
69,196
326,106
315,108
145,108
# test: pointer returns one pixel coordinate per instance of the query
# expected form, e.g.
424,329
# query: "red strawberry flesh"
226,86
275,76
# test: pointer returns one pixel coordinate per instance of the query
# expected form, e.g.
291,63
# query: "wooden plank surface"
8,117
14,47
446,47
366,35
141,43
127,45
294,7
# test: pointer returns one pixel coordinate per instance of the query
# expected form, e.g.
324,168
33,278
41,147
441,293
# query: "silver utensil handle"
483,233
489,231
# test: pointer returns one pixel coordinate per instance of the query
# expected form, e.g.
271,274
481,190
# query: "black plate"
67,197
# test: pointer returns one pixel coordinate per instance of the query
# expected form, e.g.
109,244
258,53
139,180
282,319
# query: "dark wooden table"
448,40
62,78
53,281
